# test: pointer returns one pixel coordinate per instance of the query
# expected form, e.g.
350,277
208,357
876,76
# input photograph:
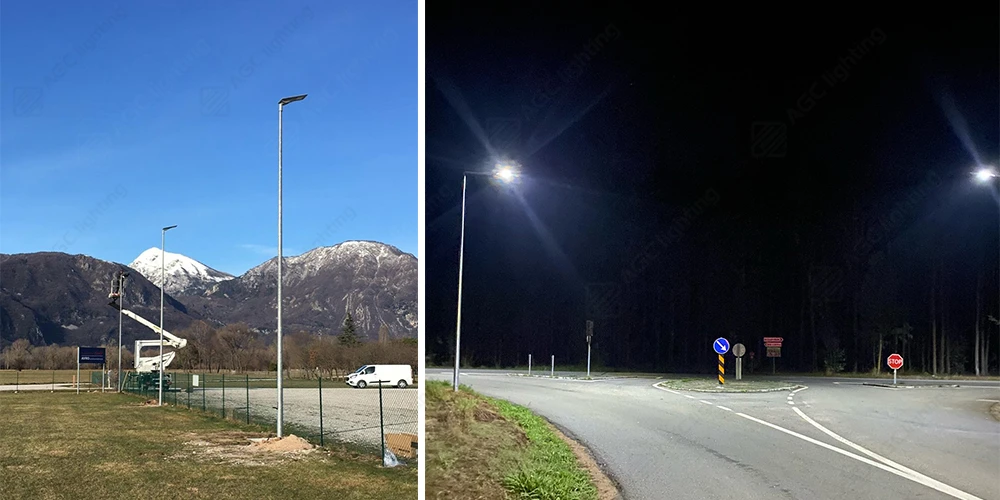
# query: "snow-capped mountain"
55,298
185,276
50,297
375,282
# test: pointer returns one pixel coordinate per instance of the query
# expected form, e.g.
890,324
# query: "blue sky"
119,119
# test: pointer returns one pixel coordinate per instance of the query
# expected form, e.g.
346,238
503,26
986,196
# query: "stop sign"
895,361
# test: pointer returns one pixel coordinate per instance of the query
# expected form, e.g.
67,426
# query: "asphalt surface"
837,438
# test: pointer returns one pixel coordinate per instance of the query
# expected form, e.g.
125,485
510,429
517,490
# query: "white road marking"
672,392
706,402
916,476
802,389
789,397
791,402
688,396
989,400
886,465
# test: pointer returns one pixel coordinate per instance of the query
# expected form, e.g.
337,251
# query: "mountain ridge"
375,282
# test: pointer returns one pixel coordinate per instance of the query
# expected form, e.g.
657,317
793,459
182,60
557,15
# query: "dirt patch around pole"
288,443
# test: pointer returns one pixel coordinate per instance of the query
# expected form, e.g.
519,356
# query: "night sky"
802,173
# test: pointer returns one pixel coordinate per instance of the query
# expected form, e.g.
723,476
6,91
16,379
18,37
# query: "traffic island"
712,385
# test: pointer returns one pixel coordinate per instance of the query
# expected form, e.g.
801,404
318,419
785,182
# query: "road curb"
776,389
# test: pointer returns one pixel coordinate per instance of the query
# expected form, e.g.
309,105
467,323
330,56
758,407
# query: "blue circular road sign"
721,345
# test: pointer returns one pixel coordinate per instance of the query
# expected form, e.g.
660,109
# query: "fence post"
381,422
248,398
223,395
53,381
17,381
320,410
203,384
189,390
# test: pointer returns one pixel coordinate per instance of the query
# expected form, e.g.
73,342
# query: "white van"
390,375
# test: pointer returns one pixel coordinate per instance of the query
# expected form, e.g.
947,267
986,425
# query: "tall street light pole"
985,175
281,394
505,174
461,261
163,283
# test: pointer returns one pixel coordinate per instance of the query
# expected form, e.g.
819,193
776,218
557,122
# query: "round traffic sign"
739,350
895,361
721,345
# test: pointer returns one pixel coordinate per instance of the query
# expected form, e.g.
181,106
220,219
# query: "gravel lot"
350,415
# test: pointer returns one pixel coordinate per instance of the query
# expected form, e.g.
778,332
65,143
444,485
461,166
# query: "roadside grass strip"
549,469
480,447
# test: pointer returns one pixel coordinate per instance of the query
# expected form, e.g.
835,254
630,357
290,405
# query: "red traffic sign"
895,361
774,339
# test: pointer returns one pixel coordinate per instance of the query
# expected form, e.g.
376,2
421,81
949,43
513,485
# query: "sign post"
895,362
89,355
773,345
739,350
553,373
721,347
590,335
529,365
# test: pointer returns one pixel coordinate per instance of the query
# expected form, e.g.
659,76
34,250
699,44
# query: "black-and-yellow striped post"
722,370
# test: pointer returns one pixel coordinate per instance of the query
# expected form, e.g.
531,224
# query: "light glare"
505,174
985,174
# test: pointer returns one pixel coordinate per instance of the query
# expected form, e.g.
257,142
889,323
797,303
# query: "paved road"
835,439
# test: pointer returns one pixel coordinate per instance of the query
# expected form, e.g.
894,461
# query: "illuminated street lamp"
505,173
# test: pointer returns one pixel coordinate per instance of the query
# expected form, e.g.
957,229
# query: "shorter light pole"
121,304
163,283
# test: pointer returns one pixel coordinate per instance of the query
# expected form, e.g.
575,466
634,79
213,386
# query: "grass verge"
478,447
712,385
65,445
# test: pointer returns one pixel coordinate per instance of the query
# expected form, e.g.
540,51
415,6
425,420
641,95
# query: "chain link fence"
323,411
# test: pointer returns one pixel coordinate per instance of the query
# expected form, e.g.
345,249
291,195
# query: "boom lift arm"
148,363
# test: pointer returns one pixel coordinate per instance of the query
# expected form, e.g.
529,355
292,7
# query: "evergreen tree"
348,336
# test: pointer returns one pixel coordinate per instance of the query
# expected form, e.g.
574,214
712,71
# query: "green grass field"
94,445
479,447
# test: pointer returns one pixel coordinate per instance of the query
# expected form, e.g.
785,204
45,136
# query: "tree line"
237,347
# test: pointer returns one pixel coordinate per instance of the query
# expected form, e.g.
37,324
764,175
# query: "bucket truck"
147,367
